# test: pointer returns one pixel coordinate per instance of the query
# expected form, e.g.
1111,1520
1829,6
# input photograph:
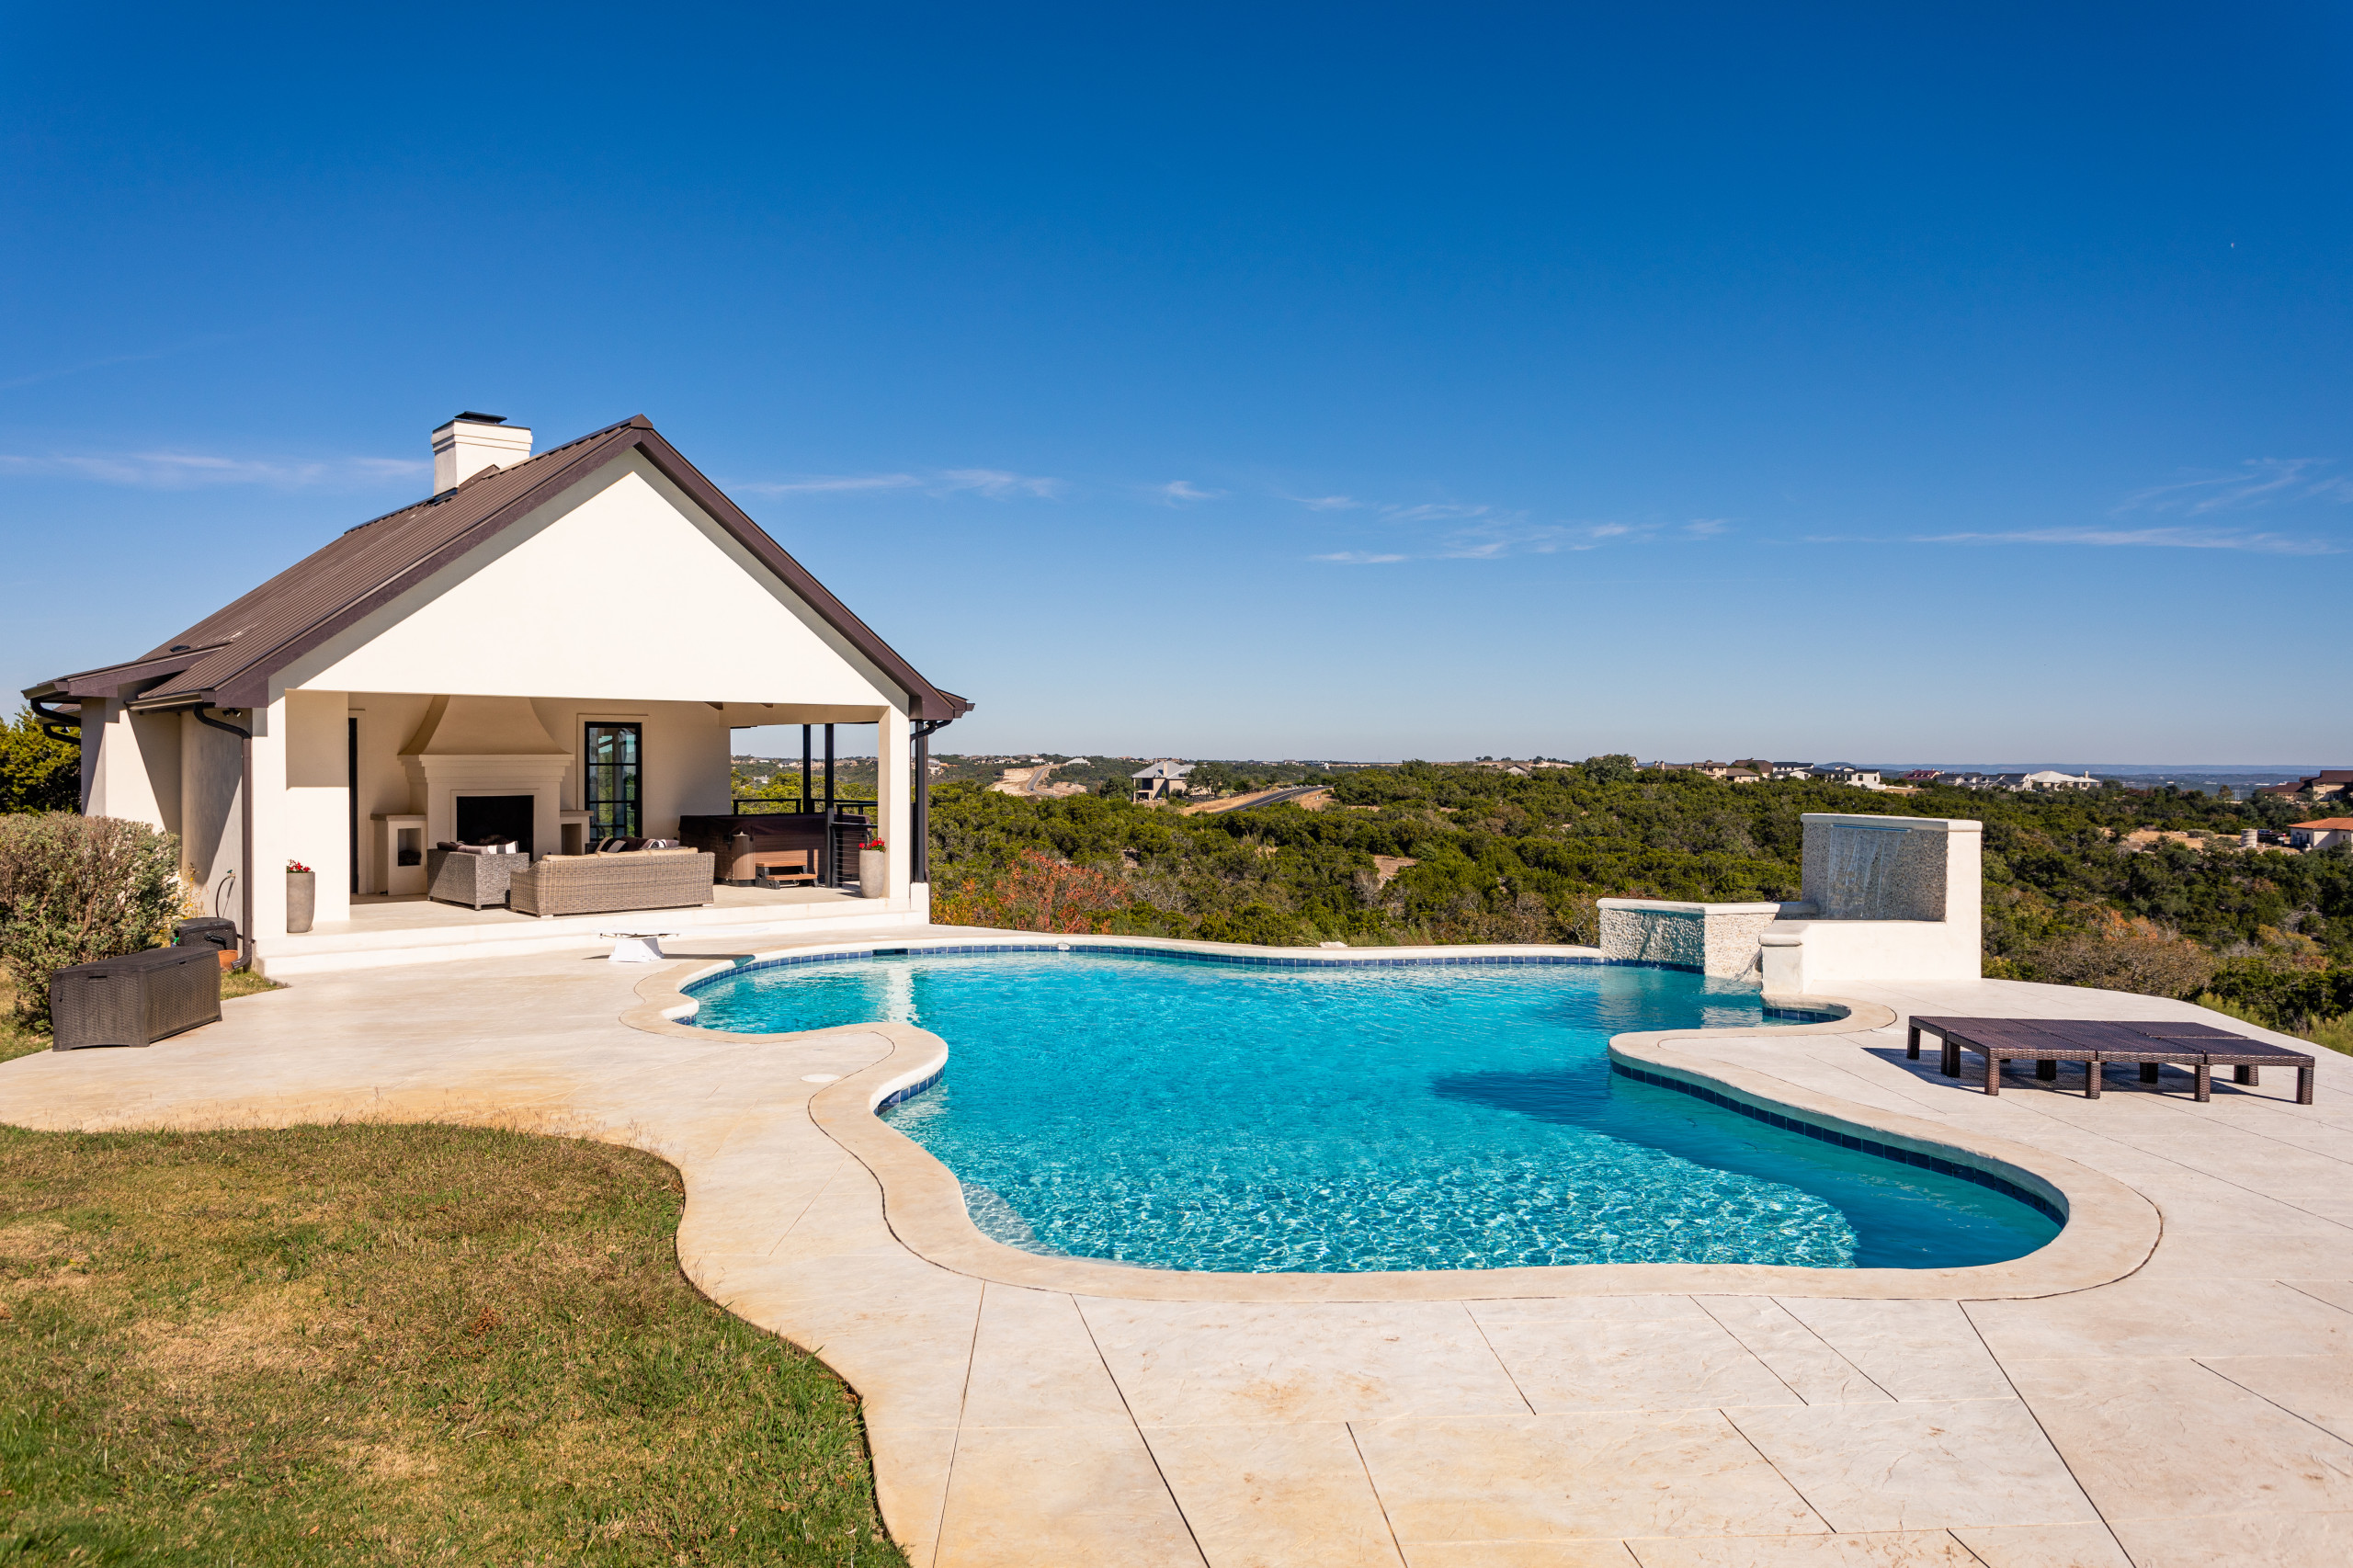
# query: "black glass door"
612,784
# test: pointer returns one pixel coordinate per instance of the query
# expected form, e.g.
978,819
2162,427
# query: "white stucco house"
2326,833
1161,781
554,650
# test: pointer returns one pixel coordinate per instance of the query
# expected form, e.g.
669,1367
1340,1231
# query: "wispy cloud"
2258,481
36,377
1177,490
2157,538
997,484
183,471
834,483
994,484
1462,531
1434,512
1326,503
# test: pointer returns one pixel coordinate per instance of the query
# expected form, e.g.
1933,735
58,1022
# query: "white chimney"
472,442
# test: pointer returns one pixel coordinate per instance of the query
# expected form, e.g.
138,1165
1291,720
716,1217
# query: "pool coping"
2110,1231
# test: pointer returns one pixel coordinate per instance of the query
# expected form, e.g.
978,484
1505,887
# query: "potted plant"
301,897
873,877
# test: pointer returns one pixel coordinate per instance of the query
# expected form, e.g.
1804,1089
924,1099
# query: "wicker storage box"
453,876
136,999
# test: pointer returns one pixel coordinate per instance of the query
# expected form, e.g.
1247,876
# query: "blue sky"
1935,382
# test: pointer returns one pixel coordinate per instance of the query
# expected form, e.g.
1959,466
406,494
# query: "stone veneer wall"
1714,938
1875,870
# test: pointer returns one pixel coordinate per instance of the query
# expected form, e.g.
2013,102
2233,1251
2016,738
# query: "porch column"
272,843
317,803
894,797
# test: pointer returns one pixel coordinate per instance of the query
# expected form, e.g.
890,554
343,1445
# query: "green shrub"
73,889
36,774
2284,996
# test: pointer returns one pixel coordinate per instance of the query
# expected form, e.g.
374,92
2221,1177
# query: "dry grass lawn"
393,1344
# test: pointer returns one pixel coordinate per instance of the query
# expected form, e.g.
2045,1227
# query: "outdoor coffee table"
637,947
2200,1047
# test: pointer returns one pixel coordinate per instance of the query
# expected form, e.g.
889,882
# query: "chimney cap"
471,417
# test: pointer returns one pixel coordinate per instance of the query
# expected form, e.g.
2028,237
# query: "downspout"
244,833
920,869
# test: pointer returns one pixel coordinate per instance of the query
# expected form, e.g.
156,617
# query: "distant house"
2049,779
1161,779
1976,781
1788,770
1924,776
2328,781
1841,773
2326,834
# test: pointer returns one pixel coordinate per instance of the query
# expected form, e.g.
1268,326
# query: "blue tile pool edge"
782,961
1975,1174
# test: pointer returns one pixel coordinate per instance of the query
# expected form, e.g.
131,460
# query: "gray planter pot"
302,900
873,878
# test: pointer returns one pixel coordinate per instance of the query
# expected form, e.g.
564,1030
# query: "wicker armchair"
606,885
453,876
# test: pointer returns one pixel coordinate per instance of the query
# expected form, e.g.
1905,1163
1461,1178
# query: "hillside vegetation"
2078,888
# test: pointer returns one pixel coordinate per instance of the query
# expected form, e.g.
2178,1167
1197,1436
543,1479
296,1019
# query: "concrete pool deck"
2197,1409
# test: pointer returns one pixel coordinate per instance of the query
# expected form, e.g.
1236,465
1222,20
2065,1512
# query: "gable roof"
2327,825
227,658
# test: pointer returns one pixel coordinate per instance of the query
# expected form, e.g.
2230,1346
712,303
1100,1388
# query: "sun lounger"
2150,1045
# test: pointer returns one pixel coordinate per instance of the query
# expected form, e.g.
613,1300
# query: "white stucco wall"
621,589
129,766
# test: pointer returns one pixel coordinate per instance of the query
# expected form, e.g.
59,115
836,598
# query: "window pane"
611,787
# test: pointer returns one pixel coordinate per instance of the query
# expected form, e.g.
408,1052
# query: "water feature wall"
1876,868
1885,899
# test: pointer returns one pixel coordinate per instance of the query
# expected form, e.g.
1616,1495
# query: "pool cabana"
553,650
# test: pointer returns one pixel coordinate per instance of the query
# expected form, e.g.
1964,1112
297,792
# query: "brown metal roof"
227,658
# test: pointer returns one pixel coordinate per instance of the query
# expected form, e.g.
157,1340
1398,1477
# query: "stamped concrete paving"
2197,1411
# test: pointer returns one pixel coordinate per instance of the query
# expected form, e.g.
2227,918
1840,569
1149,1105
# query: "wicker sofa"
605,884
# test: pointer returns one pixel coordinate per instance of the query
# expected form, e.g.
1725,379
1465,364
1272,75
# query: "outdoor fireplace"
496,819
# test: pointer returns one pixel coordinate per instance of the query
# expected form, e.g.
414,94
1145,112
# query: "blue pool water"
1184,1114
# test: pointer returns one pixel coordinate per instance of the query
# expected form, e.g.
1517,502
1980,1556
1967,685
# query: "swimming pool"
1184,1113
